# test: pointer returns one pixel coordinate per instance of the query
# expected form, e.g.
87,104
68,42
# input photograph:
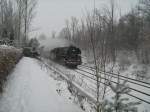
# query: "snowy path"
30,89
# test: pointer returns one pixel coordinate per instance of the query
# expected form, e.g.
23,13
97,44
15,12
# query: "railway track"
78,87
89,76
142,85
146,84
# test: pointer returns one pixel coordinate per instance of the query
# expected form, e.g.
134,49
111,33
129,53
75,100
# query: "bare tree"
90,27
96,26
19,20
28,14
7,19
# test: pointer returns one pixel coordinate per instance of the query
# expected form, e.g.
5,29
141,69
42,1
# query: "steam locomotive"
68,56
30,52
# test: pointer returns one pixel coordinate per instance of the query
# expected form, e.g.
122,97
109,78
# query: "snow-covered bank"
136,75
30,89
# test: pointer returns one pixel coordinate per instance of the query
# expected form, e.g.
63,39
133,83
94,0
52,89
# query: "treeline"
15,20
101,31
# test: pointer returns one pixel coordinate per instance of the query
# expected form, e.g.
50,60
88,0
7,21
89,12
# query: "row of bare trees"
15,20
129,32
103,35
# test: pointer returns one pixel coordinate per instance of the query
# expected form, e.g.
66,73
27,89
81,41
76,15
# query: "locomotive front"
73,57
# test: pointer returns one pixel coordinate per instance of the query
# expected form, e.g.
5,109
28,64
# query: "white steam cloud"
51,43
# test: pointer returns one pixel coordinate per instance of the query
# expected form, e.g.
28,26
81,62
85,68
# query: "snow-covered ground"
131,71
83,90
89,87
30,89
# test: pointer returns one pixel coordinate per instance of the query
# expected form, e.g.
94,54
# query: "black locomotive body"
30,52
69,56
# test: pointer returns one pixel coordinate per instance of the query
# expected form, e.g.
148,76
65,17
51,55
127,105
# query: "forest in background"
107,32
15,21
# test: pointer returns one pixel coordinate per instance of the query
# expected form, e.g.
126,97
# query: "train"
69,56
30,52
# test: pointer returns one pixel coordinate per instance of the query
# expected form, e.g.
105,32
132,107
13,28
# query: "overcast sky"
51,14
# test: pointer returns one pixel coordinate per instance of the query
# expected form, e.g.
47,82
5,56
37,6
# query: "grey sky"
51,14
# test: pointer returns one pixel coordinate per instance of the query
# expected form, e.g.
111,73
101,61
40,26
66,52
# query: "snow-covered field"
31,89
89,87
133,71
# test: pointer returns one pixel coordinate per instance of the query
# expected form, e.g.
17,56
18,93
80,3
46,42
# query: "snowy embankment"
31,89
81,78
137,77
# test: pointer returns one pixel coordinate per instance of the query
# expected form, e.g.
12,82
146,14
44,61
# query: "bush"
9,56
